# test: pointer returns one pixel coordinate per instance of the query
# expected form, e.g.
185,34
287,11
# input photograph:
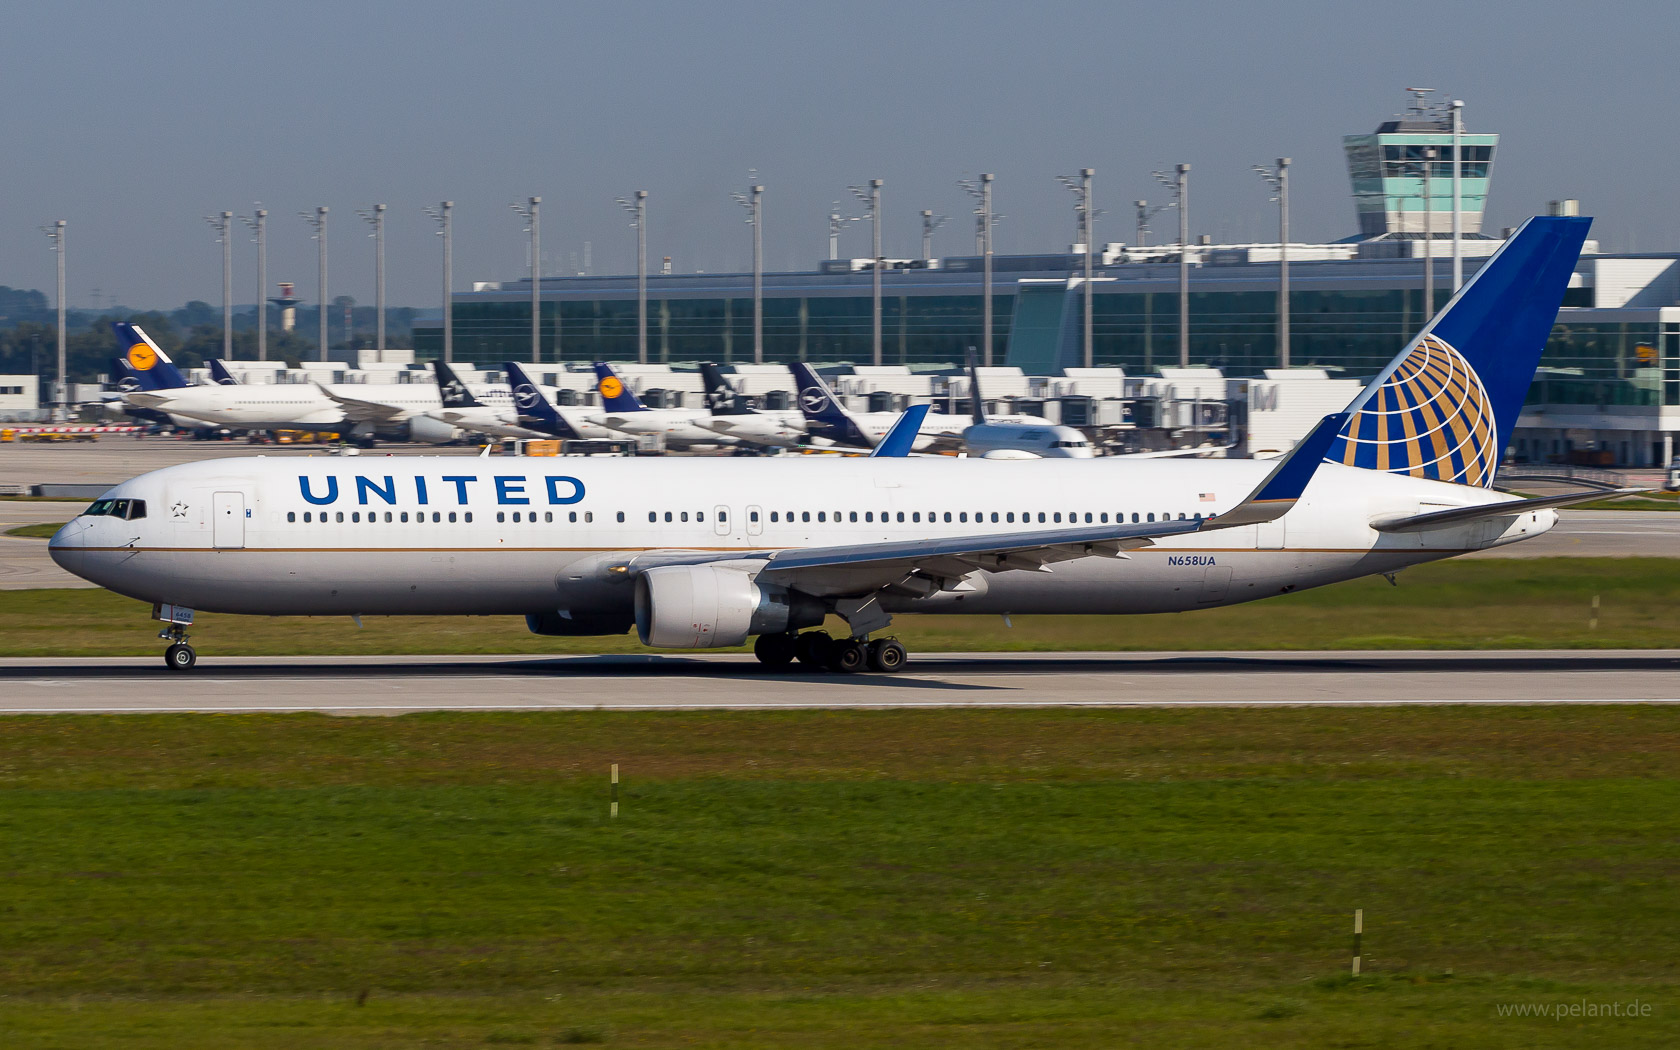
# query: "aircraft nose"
66,544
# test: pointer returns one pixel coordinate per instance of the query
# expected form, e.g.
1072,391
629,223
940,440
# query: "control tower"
1388,176
288,304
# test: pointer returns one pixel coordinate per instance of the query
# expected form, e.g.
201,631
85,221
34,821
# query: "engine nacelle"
431,431
710,607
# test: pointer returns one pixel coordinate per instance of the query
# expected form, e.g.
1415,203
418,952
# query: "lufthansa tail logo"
525,396
141,357
812,399
611,387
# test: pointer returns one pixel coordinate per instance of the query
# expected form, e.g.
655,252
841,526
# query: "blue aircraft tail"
823,415
123,377
1445,407
150,366
902,437
220,374
615,392
534,408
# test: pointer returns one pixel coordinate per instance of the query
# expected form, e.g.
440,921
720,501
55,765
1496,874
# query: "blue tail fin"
533,407
219,372
151,367
615,393
823,415
1445,408
902,437
122,377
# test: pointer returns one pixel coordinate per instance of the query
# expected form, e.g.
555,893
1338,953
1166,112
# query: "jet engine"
431,431
711,606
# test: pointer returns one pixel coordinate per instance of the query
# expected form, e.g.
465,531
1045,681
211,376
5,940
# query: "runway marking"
804,706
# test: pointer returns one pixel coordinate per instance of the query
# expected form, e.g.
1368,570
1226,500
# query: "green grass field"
823,879
43,531
1492,604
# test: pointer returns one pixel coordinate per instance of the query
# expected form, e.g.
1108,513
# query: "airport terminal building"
1608,392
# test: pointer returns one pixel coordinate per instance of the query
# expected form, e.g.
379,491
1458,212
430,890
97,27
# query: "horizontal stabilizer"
1437,519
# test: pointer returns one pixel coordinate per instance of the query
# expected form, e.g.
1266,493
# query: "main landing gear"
817,650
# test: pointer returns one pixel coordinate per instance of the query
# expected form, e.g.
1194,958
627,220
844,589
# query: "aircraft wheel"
887,655
848,656
812,648
775,650
180,657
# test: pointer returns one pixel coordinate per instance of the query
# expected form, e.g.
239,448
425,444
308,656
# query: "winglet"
219,372
1287,481
902,437
978,406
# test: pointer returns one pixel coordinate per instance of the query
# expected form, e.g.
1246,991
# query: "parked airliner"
703,553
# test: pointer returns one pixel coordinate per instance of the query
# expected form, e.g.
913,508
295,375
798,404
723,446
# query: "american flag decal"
1207,497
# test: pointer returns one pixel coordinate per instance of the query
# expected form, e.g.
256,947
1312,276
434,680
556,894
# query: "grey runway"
380,685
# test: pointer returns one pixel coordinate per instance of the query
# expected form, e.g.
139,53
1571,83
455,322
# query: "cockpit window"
128,509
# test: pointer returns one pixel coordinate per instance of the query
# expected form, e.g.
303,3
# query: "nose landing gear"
179,656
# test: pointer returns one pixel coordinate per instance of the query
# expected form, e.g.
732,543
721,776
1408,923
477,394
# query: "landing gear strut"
179,656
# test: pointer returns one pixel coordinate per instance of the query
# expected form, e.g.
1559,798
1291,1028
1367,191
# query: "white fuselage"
282,406
1045,440
679,427
776,429
512,535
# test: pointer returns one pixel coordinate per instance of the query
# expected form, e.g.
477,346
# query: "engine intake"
711,607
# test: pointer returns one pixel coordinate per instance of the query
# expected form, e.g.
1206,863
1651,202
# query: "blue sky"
133,121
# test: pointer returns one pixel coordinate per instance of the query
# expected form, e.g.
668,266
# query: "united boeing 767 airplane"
705,553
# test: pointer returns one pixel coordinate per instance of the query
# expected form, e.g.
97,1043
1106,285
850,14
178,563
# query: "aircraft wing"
358,411
1437,519
934,564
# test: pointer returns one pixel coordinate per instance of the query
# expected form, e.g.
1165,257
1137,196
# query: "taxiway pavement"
395,685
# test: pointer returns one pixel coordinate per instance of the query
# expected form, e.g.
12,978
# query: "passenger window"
387,516
822,515
774,517
653,516
685,515
723,517
915,515
804,515
868,515
501,516
700,515
405,516
667,515
1088,515
852,516
571,517
548,517
1058,517
1041,517
994,517
1180,515
339,515
752,515
589,516
1010,517
516,517
947,516
291,515
1105,517
437,516
963,517
901,515
468,515
1151,516
1134,513
452,516
355,517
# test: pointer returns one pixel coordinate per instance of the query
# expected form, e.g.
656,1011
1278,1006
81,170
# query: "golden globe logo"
611,387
